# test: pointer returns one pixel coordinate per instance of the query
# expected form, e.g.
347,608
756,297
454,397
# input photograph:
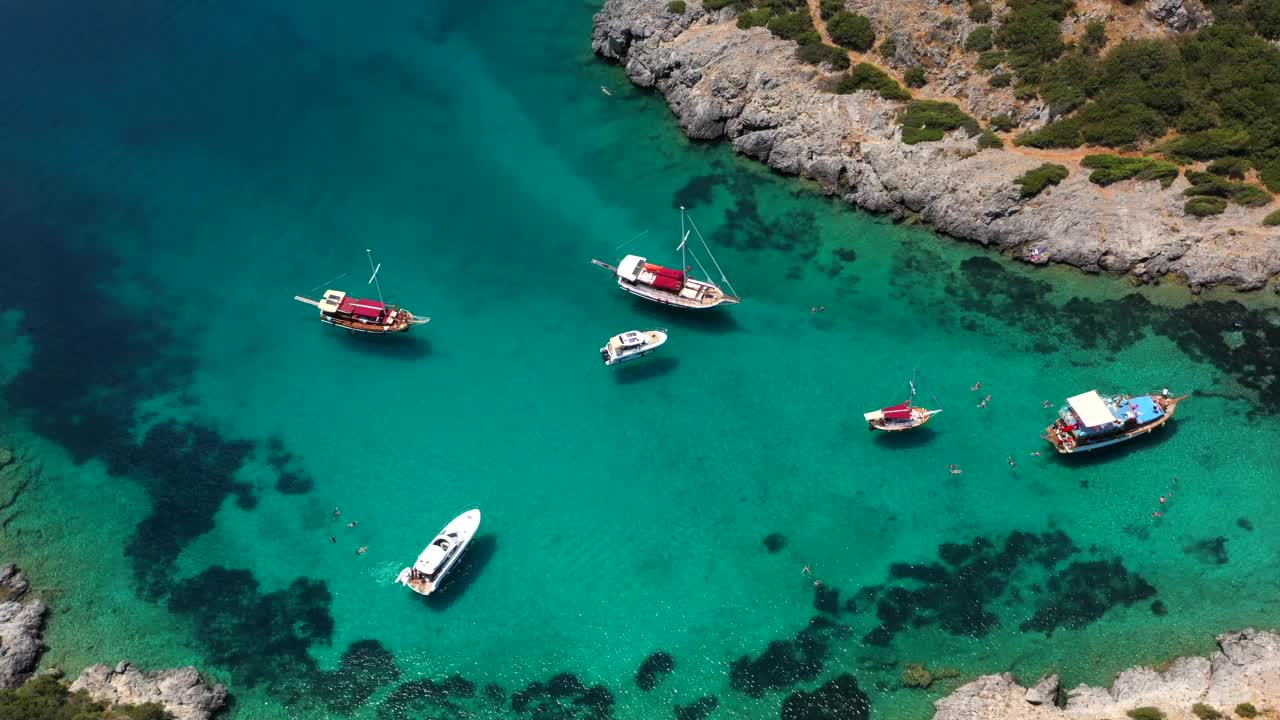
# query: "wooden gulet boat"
903,416
360,315
1090,421
669,286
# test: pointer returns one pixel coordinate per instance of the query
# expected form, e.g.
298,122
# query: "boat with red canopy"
670,286
903,416
363,315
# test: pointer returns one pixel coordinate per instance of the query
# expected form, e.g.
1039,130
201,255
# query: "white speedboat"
631,345
444,552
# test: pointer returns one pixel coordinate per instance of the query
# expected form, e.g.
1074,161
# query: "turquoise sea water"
175,172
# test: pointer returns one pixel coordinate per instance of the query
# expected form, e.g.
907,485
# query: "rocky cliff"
182,692
1244,669
746,86
21,625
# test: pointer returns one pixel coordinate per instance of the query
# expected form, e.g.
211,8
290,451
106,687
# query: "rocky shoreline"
182,692
746,86
1244,669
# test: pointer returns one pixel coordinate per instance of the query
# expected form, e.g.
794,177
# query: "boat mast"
684,243
912,383
373,279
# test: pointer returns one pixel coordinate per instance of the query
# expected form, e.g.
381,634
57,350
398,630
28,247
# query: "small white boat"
444,552
631,345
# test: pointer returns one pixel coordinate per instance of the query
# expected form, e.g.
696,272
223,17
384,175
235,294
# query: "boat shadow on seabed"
645,369
460,578
715,320
907,439
409,347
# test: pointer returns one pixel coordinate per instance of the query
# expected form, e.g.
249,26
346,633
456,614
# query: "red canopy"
663,271
662,282
361,308
897,412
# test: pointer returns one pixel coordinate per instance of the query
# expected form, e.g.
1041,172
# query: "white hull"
632,345
442,555
697,295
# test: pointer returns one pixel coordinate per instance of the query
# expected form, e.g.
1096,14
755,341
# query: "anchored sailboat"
669,286
359,315
903,416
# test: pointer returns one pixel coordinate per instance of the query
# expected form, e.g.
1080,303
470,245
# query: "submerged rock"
653,669
21,626
182,692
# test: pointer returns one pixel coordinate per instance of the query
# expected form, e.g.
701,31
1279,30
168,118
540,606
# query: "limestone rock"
21,626
6,457
182,692
1178,15
747,87
1044,692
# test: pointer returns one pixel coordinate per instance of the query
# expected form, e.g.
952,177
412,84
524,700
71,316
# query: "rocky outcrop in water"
745,86
182,692
1244,669
21,624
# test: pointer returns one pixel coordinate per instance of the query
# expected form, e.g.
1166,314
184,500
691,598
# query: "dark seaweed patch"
826,599
1084,591
958,593
291,479
365,666
839,699
695,192
698,709
653,669
429,700
1159,609
564,697
263,638
1212,551
1244,524
774,542
786,663
846,255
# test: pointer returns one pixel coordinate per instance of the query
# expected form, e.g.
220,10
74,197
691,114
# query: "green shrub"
915,77
1031,35
865,76
980,12
1206,184
889,47
817,54
1024,91
1033,182
44,698
1206,145
716,4
1247,710
989,141
991,59
676,6
791,25
1203,207
1271,220
1232,167
1002,122
1109,169
827,8
1264,15
755,18
1000,80
808,37
1269,174
979,40
1249,195
851,30
1095,36
1064,133
1146,713
928,120
1068,82
1204,712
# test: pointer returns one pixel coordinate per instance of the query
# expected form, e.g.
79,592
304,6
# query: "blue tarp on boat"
1147,409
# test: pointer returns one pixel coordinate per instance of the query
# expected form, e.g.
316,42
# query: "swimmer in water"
984,402
1035,454
976,386
1161,499
333,539
1046,404
353,523
1013,463
336,513
805,571
1156,514
954,469
362,549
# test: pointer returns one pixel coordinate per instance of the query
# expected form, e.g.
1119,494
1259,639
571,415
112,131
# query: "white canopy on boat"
430,559
631,337
1091,409
629,267
332,299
